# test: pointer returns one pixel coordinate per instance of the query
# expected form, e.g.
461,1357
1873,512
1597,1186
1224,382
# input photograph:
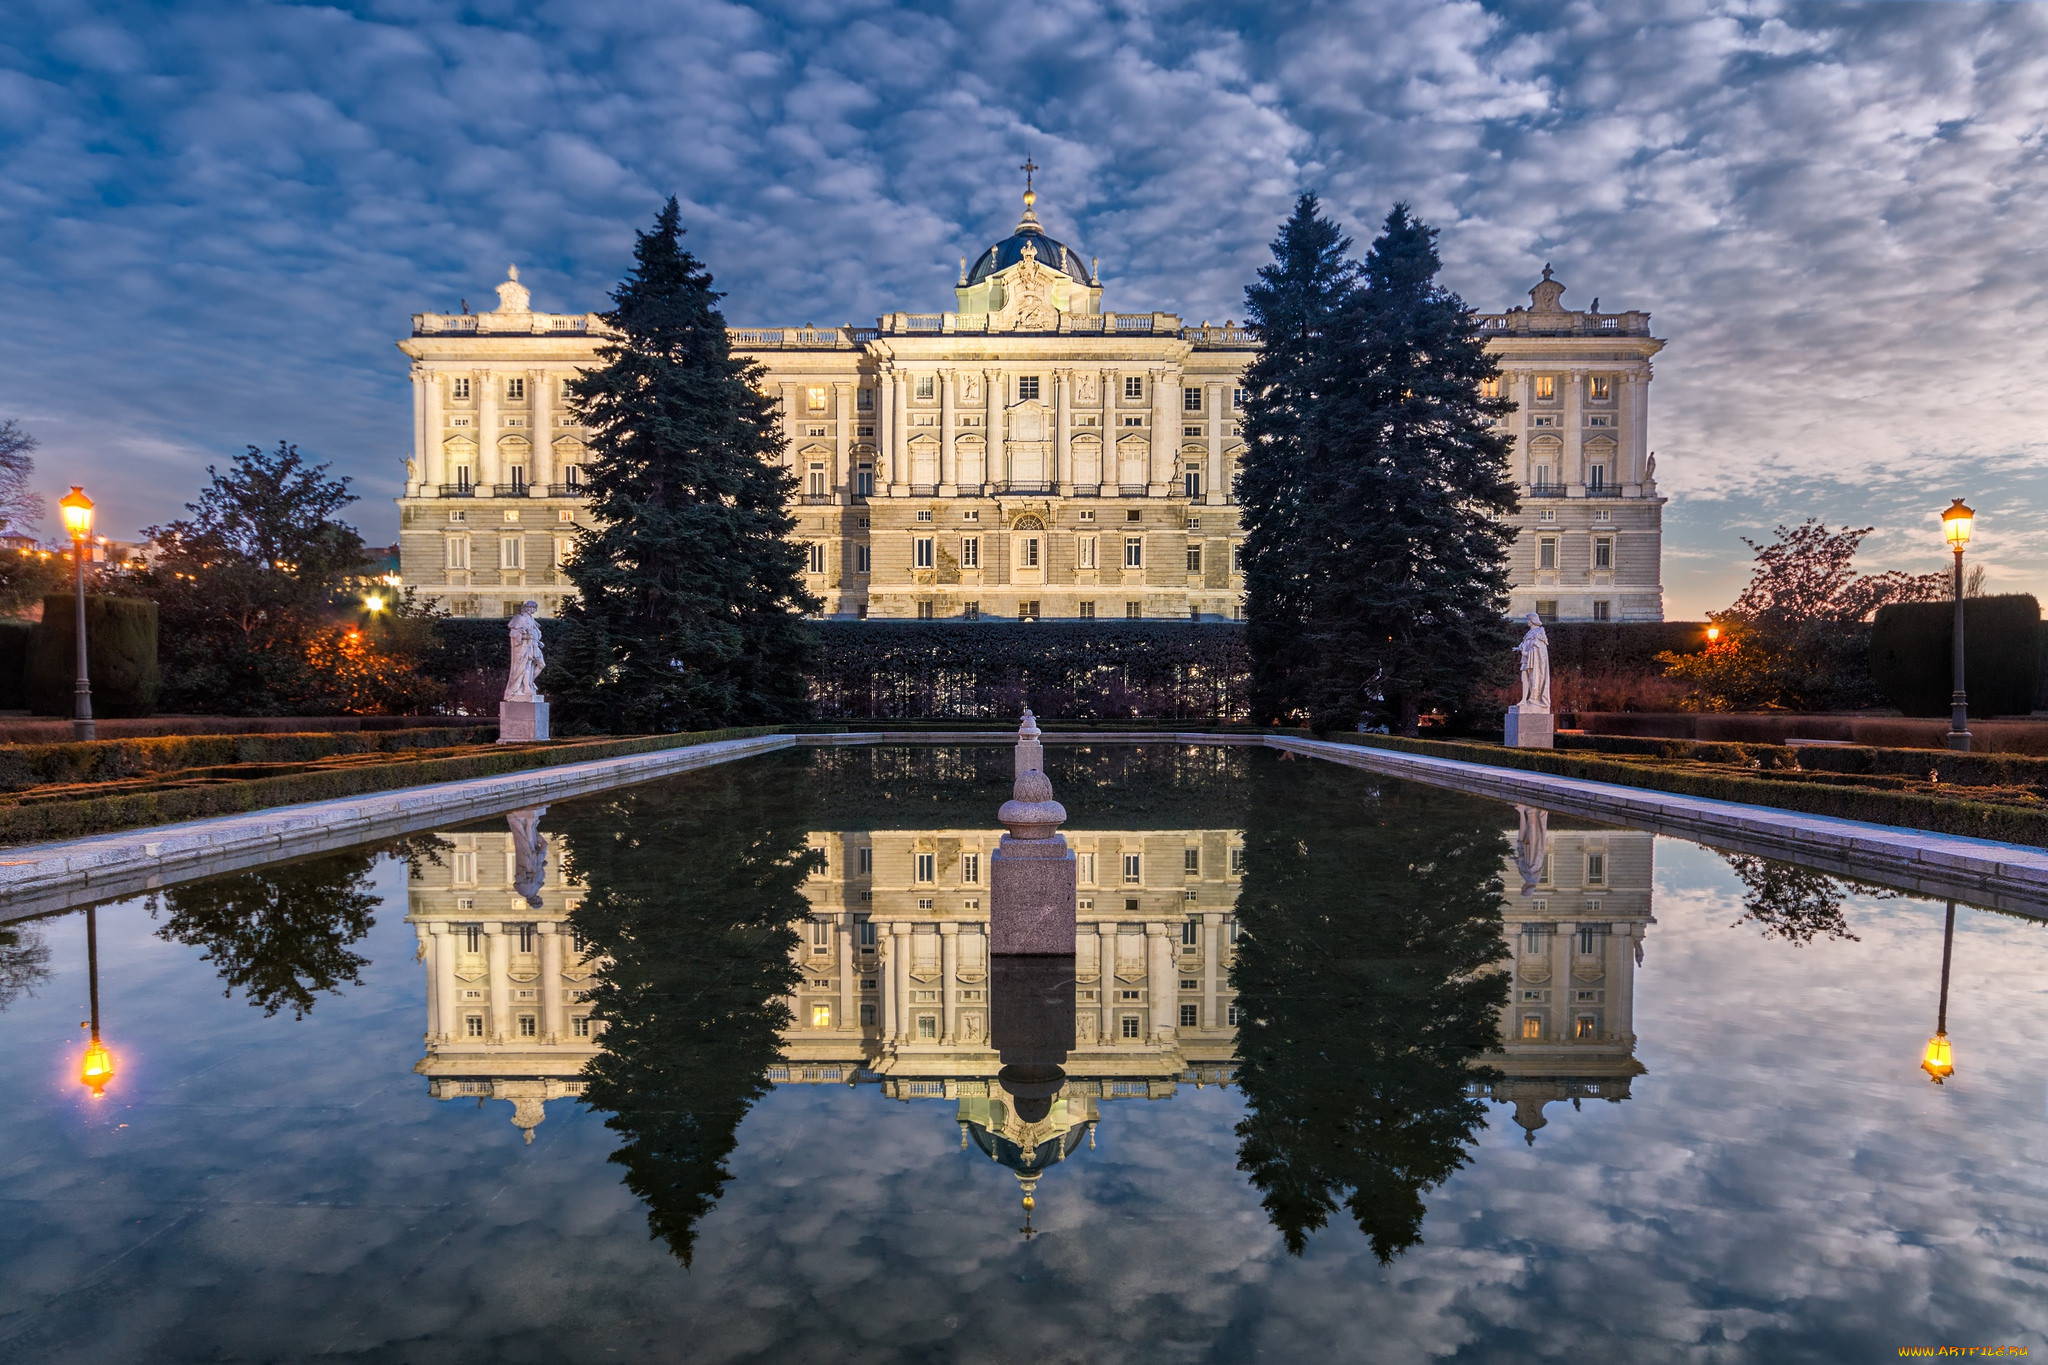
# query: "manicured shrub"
121,644
14,643
1910,645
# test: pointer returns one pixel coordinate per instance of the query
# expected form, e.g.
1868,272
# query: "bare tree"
21,507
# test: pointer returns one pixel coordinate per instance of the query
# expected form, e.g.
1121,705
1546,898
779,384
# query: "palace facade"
1027,455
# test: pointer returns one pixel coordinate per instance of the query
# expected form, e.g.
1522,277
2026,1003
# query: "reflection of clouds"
1784,1186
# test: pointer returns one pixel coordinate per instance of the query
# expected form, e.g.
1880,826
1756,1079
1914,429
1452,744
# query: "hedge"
1620,646
1966,770
121,663
464,644
1910,655
1913,810
14,642
23,766
52,820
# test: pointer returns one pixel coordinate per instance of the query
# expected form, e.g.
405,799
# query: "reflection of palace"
896,991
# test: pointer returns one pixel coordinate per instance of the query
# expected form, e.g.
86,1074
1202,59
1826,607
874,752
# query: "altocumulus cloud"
220,215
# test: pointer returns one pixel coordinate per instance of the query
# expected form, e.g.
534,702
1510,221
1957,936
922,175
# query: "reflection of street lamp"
97,1067
1955,524
77,509
1939,1063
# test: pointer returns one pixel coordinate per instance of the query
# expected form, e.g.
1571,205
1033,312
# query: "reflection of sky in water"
1784,1186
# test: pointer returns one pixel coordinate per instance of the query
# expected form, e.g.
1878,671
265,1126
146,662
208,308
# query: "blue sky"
218,217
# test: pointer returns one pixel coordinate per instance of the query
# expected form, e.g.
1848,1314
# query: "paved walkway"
39,878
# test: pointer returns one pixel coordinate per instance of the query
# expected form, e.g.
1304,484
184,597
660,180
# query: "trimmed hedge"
1910,655
23,766
1912,810
51,820
121,640
988,670
1621,646
1966,770
14,642
464,644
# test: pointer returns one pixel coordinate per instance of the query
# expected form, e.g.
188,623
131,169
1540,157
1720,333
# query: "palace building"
1027,455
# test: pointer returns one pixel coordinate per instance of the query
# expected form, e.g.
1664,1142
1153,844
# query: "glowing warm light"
97,1068
1713,632
1955,524
77,509
1939,1063
374,602
821,1014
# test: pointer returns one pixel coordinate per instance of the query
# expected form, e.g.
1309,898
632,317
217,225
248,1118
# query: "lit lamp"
374,603
1955,525
97,1067
77,508
1939,1060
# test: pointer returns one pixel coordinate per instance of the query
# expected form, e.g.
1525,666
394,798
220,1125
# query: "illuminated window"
1489,388
1586,1027
1603,388
1532,1026
821,1014
814,399
1546,388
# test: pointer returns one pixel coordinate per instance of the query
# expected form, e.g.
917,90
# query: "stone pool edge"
46,878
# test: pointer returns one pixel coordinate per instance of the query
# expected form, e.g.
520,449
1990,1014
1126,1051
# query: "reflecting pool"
720,1069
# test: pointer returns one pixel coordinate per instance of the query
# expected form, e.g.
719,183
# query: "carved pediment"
1028,304
1030,420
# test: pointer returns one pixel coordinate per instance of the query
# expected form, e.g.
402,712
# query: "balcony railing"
1603,490
1546,490
1032,489
568,490
819,499
458,490
511,490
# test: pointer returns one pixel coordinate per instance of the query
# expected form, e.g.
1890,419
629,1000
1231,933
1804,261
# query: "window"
458,552
580,1026
1546,609
1130,1021
1134,388
815,484
1237,397
1134,552
1134,421
924,611
1190,400
1087,611
1087,514
459,516
1191,480
864,481
867,930
1231,1014
1546,552
1134,611
865,864
927,1027
1603,610
1489,388
1028,611
1596,476
1134,868
529,1027
972,611
970,552
1027,552
1084,868
864,400
1237,557
1546,388
1603,388
1191,863
1190,934
817,555
1596,868
927,386
1589,938
459,390
867,1012
1586,1027
526,937
1027,386
1603,552
1194,559
821,936
473,1026
515,390
1084,552
862,557
1237,862
970,868
511,552
1190,1016
1191,431
474,933
921,554
1532,1027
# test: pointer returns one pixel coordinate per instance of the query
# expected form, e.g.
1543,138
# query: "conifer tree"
690,588
1375,489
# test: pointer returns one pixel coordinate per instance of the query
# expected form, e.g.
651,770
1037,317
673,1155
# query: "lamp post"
1955,524
1939,1061
77,509
97,1067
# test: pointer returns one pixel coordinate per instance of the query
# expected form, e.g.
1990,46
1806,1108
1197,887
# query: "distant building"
1026,455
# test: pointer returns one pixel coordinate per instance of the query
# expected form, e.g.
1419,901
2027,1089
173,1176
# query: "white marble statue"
1535,654
1532,845
527,661
529,853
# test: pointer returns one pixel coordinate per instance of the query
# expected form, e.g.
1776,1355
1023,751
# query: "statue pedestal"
1530,728
1031,897
521,722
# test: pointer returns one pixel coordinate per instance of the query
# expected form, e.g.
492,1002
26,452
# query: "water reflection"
1369,989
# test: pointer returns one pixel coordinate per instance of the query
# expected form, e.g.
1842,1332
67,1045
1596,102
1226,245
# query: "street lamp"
1939,1062
1955,524
374,603
97,1067
77,509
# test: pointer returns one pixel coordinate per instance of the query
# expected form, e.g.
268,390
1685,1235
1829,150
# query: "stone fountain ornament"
1530,725
1032,907
523,714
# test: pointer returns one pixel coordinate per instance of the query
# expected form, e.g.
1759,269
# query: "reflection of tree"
281,934
24,963
1367,920
693,887
1789,902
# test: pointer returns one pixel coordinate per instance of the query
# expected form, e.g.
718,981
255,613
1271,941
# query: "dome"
1052,254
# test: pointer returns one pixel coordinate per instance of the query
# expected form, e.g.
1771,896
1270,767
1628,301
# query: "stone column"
1216,494
1063,447
542,420
995,465
500,978
1162,979
486,386
422,385
1109,379
1212,971
899,440
949,468
1524,386
1620,1014
1105,995
843,960
1635,417
842,441
1574,433
899,975
1165,433
885,432
433,454
949,967
441,964
550,982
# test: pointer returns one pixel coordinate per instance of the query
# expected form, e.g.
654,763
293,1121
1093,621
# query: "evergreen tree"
1362,981
1375,489
690,588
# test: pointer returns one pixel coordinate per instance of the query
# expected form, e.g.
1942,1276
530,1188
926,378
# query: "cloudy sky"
218,216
